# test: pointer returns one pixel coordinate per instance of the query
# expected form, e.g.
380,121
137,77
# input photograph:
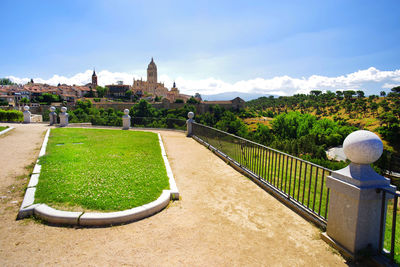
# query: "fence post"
27,115
63,117
126,120
52,116
355,203
189,125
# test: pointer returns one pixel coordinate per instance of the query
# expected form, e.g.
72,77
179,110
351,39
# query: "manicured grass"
98,169
2,128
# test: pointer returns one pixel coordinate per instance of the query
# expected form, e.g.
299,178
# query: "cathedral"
153,87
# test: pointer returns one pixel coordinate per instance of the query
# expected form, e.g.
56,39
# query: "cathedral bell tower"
94,79
152,72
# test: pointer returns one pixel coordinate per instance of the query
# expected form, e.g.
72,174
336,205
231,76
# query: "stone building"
155,88
117,90
94,80
93,84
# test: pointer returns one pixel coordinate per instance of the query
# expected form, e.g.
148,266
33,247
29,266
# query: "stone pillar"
126,120
63,117
27,115
355,205
53,116
189,125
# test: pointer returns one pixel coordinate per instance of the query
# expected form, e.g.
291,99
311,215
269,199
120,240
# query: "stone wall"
200,108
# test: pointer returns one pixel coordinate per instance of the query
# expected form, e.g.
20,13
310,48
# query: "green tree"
128,94
396,89
232,124
263,134
143,109
24,100
349,94
339,95
192,100
90,93
315,92
360,94
6,81
49,98
102,91
374,107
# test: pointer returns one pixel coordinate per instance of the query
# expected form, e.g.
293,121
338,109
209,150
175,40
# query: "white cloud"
281,85
390,85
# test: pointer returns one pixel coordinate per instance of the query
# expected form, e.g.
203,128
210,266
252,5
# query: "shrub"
11,115
3,102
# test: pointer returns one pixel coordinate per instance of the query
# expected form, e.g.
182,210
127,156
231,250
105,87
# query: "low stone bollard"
63,117
355,203
27,115
126,120
189,124
53,116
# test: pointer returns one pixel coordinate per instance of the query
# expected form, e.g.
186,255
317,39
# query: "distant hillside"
232,95
378,114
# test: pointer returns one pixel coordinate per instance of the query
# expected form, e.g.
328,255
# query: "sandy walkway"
223,219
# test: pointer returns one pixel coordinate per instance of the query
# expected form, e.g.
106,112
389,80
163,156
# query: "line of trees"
300,134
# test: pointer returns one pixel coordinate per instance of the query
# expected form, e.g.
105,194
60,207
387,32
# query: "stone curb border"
94,218
172,185
6,130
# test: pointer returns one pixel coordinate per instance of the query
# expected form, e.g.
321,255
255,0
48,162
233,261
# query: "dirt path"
223,219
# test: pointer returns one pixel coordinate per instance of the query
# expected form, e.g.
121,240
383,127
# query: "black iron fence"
298,182
389,242
149,122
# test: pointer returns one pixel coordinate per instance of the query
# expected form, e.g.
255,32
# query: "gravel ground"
223,219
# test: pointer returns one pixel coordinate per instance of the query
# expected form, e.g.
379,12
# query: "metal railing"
388,223
150,122
394,165
298,182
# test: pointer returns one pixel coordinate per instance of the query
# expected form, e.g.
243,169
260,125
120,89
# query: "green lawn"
97,169
3,128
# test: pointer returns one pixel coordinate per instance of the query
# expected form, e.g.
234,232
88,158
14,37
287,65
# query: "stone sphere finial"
63,109
26,108
52,109
126,111
363,147
190,115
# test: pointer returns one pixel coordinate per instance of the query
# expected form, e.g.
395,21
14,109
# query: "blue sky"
207,46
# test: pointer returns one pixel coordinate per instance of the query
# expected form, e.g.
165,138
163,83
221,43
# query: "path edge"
55,216
7,130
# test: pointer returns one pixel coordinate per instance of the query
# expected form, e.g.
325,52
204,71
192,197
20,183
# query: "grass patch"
388,231
2,128
98,169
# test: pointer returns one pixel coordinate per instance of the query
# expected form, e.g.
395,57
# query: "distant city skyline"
207,47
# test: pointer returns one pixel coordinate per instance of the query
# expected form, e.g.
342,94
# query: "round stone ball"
190,115
63,109
26,108
52,109
363,147
126,111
